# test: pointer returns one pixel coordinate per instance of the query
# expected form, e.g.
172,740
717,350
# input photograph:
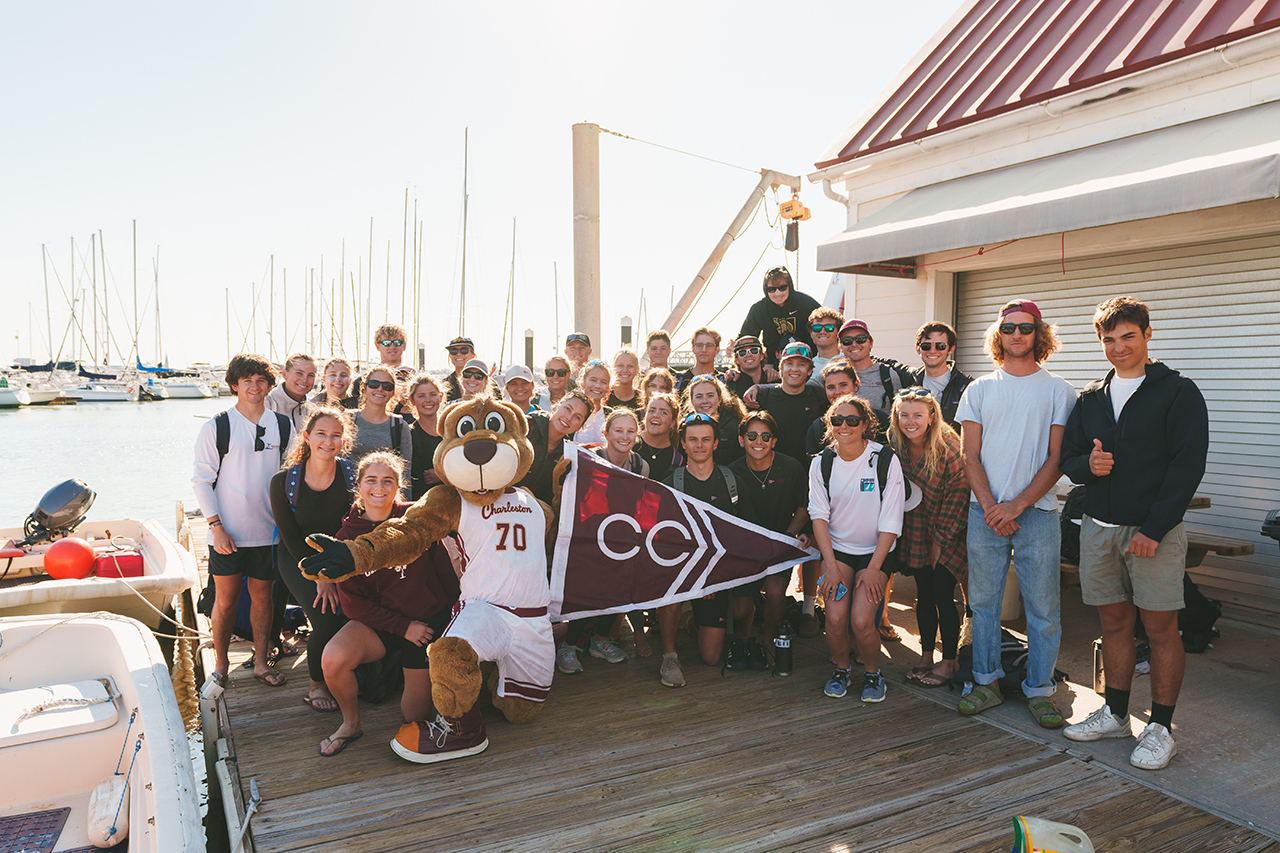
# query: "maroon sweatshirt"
389,599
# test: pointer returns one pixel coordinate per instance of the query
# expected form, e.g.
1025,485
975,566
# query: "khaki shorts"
1109,575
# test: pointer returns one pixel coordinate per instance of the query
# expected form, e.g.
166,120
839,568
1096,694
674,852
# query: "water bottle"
782,650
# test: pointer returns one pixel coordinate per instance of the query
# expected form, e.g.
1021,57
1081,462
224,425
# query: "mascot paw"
455,675
334,563
515,709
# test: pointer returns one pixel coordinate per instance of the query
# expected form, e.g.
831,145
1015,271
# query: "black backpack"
884,456
222,436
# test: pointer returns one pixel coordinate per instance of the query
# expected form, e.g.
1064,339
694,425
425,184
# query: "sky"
246,138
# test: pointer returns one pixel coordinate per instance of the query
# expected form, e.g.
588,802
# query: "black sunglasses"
774,288
913,392
841,420
258,443
473,374
824,327
748,351
856,339
752,435
1024,328
459,350
391,343
556,371
940,346
378,383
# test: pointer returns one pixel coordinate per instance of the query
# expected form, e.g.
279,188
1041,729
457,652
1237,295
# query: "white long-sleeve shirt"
855,514
242,499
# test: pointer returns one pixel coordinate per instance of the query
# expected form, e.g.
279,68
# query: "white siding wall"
1215,317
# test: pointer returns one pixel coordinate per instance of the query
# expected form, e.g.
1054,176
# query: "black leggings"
936,610
323,625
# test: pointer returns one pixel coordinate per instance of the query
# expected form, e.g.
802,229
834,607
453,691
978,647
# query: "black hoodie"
771,323
1159,449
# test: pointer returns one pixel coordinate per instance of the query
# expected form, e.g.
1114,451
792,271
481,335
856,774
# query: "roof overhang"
1222,160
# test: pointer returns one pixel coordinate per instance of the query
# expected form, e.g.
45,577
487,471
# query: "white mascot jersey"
504,558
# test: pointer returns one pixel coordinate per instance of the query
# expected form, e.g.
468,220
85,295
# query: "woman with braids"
933,534
312,494
707,395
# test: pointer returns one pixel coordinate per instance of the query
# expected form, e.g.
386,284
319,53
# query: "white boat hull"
12,398
189,391
167,572
43,396
105,394
55,758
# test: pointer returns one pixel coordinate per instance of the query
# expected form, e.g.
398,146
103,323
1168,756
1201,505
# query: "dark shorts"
857,562
411,656
257,563
713,612
747,590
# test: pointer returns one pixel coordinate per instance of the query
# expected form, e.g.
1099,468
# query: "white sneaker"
1155,747
567,659
606,650
1101,723
672,675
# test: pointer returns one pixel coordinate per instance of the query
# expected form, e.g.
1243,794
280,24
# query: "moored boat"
91,739
102,393
14,396
188,390
167,571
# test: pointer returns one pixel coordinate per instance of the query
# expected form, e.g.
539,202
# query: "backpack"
295,476
884,457
222,436
677,480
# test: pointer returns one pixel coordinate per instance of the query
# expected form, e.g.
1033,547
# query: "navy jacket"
951,395
1159,449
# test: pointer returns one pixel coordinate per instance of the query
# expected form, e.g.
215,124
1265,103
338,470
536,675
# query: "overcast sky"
233,132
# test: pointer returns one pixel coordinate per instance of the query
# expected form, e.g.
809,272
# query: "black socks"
1162,714
1118,701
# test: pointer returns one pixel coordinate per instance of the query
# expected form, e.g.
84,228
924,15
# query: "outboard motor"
59,512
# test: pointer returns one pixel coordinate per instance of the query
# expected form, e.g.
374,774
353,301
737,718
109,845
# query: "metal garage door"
1216,317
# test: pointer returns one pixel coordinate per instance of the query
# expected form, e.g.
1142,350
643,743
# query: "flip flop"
310,702
343,743
984,696
1045,712
272,678
927,679
889,634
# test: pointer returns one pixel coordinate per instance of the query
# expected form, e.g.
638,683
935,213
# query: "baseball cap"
476,364
517,371
461,342
747,341
577,338
853,323
1024,305
797,349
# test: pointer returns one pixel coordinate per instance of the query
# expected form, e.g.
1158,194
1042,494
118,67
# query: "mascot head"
484,447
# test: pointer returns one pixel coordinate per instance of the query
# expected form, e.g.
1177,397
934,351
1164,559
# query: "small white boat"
188,390
96,392
14,396
167,571
91,738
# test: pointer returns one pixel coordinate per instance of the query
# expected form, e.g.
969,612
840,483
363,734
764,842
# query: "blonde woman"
932,547
621,432
597,378
707,395
312,494
377,426
335,382
657,443
555,373
626,367
426,394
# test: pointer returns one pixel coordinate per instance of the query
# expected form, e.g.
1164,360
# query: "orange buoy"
69,559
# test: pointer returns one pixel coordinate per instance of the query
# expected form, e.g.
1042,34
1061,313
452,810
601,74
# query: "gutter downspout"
832,194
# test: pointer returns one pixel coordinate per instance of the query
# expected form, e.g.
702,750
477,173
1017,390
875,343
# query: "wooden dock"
743,761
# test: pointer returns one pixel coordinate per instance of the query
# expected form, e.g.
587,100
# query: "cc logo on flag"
648,540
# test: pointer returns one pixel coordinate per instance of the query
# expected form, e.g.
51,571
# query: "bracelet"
215,523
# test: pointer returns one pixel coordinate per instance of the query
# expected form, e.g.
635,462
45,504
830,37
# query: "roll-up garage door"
1215,315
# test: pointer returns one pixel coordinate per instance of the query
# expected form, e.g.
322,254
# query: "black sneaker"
755,655
737,657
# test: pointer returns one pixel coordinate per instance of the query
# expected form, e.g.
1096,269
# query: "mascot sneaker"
442,739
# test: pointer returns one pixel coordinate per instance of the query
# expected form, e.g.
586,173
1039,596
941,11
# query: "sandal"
316,703
1045,712
982,697
271,678
343,743
889,634
928,679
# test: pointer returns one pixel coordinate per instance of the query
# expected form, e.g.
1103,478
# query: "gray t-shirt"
935,385
371,437
1016,413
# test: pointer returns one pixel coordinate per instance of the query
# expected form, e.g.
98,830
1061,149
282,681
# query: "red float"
69,559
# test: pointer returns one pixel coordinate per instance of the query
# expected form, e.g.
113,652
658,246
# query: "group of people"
882,467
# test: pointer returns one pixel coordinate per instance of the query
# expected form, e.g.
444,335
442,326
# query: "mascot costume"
502,613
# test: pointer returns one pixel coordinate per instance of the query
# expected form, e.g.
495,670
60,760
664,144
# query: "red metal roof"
1006,54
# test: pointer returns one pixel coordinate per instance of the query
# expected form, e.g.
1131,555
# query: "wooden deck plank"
742,762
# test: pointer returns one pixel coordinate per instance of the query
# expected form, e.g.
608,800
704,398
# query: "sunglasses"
378,383
459,350
556,371
762,436
577,339
1023,328
824,327
856,339
851,420
705,345
473,374
258,443
913,392
748,351
940,346
774,288
595,362
698,418
391,343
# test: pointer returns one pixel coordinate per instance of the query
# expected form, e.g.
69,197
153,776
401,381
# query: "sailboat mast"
48,314
271,313
555,276
136,330
93,276
73,292
414,290
159,347
462,294
404,256
106,303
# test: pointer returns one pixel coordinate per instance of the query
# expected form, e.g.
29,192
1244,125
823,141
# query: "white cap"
517,371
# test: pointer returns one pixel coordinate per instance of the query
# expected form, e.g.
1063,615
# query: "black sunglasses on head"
391,343
824,327
1023,328
752,435
577,339
841,420
378,383
698,418
856,339
940,346
913,392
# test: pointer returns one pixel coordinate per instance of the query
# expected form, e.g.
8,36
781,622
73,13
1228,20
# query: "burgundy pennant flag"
627,542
